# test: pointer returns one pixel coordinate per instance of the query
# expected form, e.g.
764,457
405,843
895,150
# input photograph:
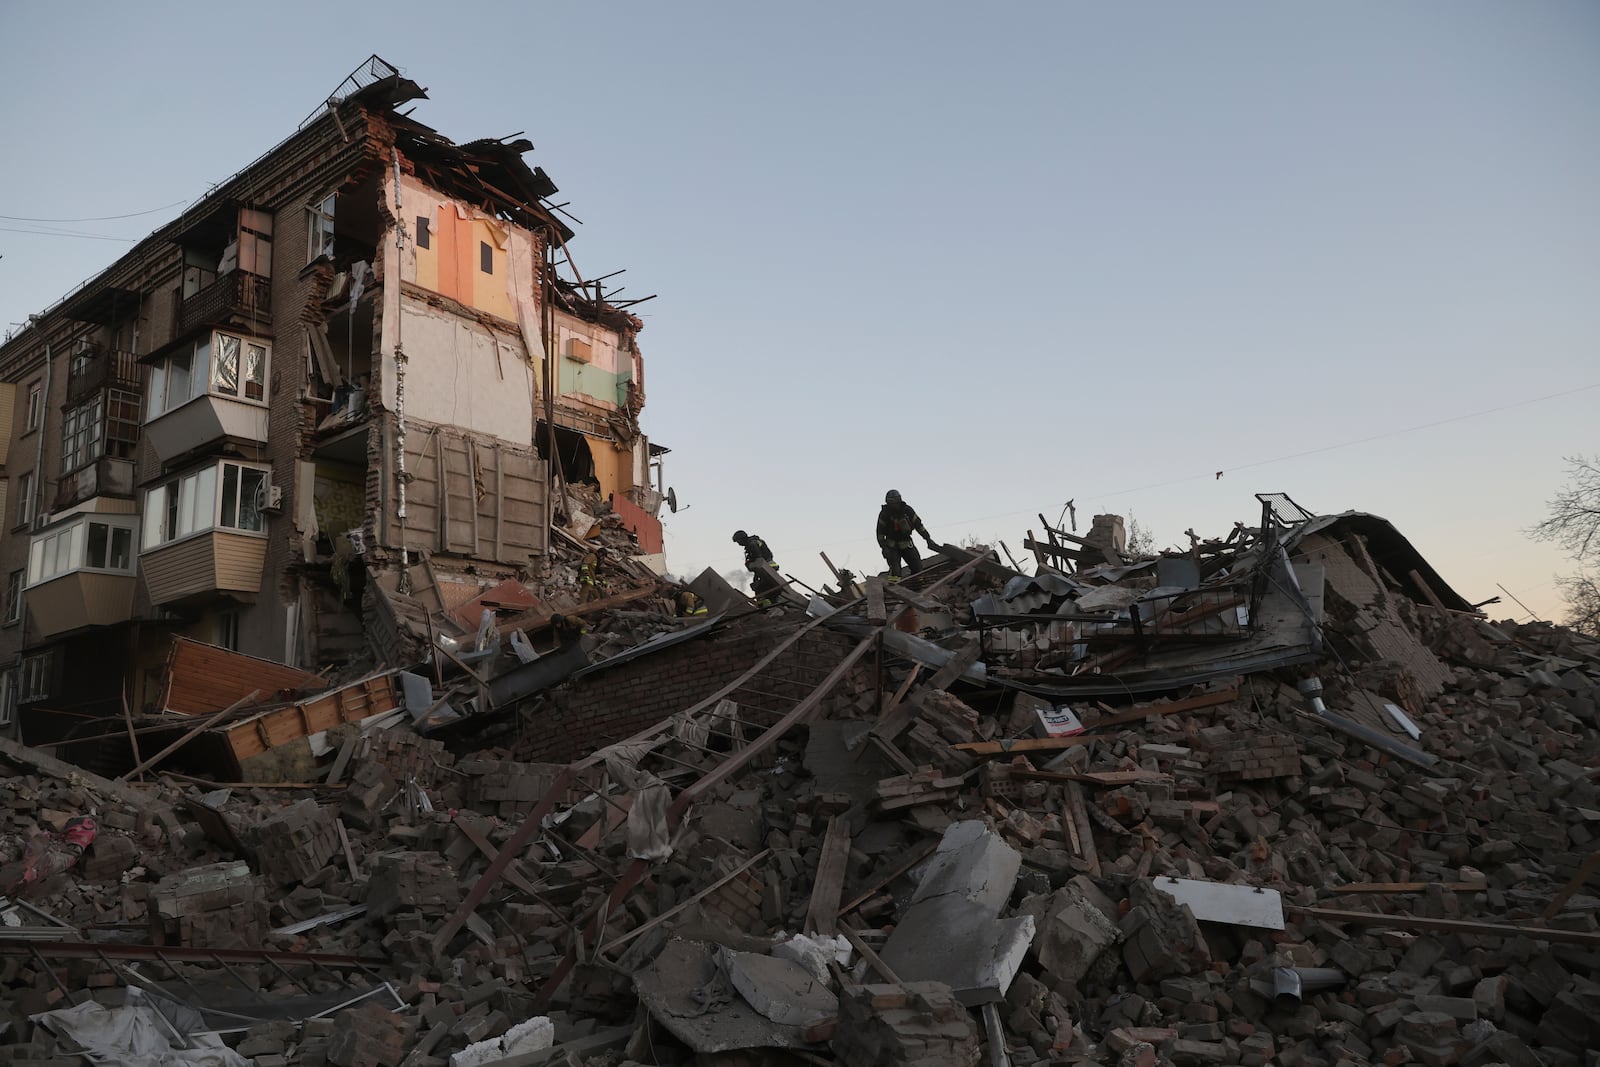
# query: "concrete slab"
951,932
781,990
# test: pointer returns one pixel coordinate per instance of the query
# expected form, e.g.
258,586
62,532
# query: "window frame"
63,550
321,219
9,688
424,236
34,681
250,385
25,498
180,504
83,433
486,258
16,582
33,418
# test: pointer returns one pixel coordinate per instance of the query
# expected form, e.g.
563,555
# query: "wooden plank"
1584,872
1451,926
1048,744
899,591
127,717
190,735
1357,888
1080,817
877,612
202,678
349,855
679,908
882,881
964,658
1427,591
822,914
483,845
870,956
341,761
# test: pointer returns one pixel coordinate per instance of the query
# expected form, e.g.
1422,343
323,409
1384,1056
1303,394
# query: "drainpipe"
44,405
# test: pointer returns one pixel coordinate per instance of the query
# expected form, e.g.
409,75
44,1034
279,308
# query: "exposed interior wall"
452,266
461,373
593,368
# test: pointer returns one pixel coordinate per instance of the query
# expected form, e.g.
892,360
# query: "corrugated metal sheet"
203,678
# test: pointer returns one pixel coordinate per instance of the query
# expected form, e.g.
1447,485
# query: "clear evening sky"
995,256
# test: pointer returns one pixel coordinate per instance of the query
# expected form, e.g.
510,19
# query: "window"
8,695
104,544
14,597
35,406
24,498
122,423
222,364
80,434
424,237
319,229
227,631
35,677
485,257
193,504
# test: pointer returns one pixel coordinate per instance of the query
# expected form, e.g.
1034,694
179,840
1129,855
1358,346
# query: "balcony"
105,477
95,368
204,421
216,563
81,573
81,598
236,293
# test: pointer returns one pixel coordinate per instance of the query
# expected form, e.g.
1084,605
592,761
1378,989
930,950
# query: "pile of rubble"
1283,798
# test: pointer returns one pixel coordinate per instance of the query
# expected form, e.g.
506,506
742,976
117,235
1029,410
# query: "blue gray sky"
996,258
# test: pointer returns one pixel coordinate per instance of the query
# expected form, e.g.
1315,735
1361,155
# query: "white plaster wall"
463,374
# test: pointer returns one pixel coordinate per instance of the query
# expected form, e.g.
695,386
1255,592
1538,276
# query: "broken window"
424,237
485,257
81,441
225,368
319,229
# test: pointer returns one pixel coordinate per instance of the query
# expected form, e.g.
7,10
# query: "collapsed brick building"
363,363
1282,797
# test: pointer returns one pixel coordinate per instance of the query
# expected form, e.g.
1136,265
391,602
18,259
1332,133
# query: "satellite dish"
672,500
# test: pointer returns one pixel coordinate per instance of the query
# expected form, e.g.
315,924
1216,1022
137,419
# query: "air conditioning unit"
273,501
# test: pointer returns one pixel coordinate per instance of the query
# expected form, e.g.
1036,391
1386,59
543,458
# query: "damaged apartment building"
354,362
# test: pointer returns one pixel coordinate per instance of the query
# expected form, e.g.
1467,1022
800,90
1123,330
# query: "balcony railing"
93,369
234,293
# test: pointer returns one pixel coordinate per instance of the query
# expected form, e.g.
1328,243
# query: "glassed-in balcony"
210,389
81,573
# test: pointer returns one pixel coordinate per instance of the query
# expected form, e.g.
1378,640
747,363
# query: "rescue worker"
588,575
566,631
689,604
758,560
897,521
754,548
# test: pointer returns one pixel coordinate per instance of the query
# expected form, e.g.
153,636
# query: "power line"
64,233
97,218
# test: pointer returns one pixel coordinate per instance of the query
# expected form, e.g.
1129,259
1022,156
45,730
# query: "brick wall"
615,704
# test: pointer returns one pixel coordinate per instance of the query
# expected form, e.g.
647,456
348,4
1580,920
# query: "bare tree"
1141,543
1574,520
1574,524
1582,594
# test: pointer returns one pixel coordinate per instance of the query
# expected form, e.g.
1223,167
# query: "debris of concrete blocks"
1255,758
506,788
368,1035
219,905
916,1024
404,755
412,881
294,844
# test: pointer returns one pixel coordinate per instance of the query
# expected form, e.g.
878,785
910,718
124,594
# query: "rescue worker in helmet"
897,521
758,560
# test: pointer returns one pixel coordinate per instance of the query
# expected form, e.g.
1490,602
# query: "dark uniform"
897,521
758,560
